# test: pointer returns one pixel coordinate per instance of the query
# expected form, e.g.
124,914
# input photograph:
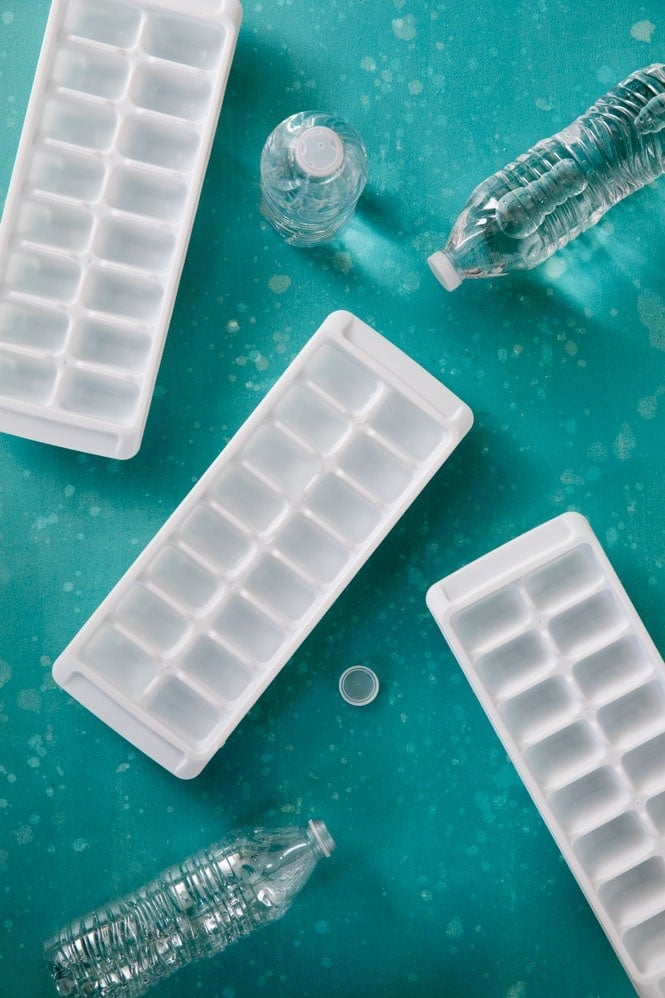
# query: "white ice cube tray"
263,544
575,688
99,212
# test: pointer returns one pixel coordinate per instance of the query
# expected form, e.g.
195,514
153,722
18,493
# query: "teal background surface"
445,881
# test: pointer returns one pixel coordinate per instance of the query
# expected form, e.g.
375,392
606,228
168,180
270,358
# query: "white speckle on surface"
611,536
30,700
606,75
42,522
555,267
279,283
24,835
410,283
455,928
647,407
404,28
642,31
7,17
544,103
5,673
597,451
624,442
517,990
79,845
123,767
342,262
651,310
69,491
415,87
368,64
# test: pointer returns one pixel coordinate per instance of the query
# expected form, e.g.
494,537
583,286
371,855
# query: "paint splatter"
404,28
651,310
648,406
24,835
410,283
30,700
279,283
455,928
624,443
555,267
342,263
642,31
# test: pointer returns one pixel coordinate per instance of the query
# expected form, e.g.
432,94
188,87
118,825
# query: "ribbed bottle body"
563,185
313,171
191,910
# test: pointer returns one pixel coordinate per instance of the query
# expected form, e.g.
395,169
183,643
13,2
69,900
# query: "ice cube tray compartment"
575,688
260,548
99,212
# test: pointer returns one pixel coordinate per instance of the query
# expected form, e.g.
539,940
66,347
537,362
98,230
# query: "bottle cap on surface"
358,685
443,269
319,151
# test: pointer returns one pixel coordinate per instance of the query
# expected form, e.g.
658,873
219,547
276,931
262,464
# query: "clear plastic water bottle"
191,910
313,170
561,186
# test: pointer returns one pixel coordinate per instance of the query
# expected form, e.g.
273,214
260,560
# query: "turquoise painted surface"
445,881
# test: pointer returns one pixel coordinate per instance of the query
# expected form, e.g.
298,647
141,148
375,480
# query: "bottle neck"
319,152
320,838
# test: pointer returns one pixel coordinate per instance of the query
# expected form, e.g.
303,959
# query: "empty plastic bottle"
191,910
561,186
313,170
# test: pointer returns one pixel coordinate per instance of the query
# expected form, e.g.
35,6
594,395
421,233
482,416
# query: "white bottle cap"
443,268
359,685
319,151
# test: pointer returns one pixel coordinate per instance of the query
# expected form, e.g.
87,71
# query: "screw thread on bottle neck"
320,837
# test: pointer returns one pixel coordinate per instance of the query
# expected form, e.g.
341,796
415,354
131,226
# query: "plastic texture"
192,910
359,685
575,688
562,186
264,543
313,171
101,203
